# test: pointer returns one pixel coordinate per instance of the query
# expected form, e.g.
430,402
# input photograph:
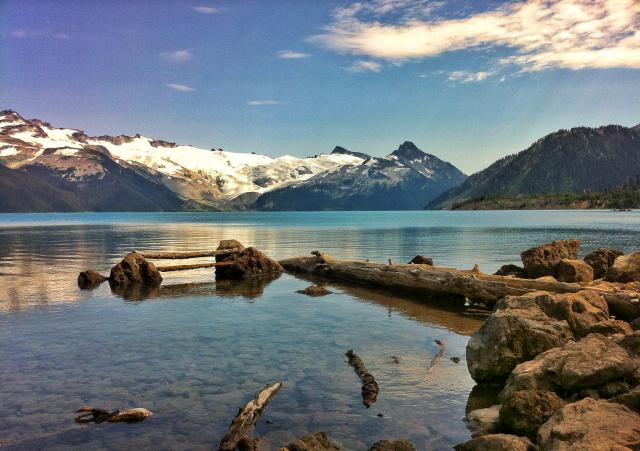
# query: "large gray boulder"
521,327
626,268
134,269
542,260
596,366
484,421
497,442
601,260
591,425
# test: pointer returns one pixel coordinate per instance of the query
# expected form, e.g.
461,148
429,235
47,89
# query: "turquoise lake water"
194,351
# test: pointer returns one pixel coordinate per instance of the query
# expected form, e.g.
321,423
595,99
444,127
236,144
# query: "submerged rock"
525,411
134,269
313,441
484,421
393,445
315,291
596,366
521,327
625,268
247,262
421,260
497,442
572,271
591,424
90,279
601,260
511,270
542,260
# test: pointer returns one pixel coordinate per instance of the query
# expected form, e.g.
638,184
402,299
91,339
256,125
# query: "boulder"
630,399
542,260
590,424
625,268
421,260
315,291
134,269
521,327
523,412
90,279
511,270
393,445
497,442
484,421
572,271
313,441
247,262
596,366
601,260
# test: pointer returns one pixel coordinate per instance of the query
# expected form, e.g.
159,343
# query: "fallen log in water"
370,387
438,356
185,255
193,266
237,437
93,415
473,284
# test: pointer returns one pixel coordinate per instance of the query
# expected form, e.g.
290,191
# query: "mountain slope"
406,179
568,161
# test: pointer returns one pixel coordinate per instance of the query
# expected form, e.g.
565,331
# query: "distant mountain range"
45,168
577,161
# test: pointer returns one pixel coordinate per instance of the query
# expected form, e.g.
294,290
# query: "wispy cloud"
536,34
364,66
207,9
177,56
463,76
263,102
179,88
291,54
39,34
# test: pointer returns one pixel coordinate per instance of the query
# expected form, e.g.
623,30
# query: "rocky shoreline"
567,371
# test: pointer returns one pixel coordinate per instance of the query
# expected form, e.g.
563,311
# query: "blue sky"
468,81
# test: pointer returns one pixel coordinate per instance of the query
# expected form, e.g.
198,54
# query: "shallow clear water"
193,351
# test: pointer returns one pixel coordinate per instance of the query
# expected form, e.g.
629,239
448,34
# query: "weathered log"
185,255
438,356
193,266
93,415
432,280
370,387
238,433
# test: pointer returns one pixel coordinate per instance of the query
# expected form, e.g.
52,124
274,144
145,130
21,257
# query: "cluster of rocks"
247,261
569,372
318,441
559,259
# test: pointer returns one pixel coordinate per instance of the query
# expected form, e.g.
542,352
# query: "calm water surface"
193,351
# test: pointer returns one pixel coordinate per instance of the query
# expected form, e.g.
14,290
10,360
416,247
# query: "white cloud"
19,34
463,76
365,66
179,88
177,56
536,34
291,54
263,102
39,34
206,9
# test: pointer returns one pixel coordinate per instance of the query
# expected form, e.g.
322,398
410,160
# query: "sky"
469,81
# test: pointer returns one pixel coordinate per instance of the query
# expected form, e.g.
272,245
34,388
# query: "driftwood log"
185,255
473,284
92,415
193,266
370,387
237,437
438,356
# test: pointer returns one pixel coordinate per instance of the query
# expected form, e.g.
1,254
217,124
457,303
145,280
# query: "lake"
194,351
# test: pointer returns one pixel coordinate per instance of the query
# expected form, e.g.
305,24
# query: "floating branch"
93,415
193,266
238,434
438,356
184,255
370,387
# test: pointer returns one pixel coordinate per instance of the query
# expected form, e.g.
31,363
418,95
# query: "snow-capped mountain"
140,173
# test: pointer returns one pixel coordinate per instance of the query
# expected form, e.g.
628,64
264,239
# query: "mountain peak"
409,151
337,150
636,128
